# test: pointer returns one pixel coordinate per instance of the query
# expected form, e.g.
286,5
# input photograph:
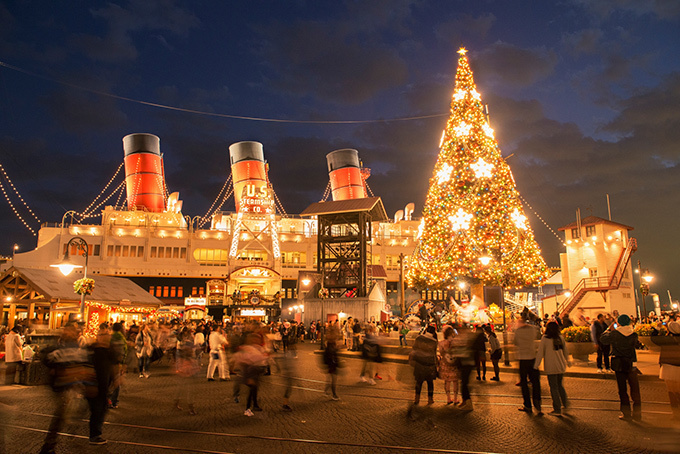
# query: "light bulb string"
16,191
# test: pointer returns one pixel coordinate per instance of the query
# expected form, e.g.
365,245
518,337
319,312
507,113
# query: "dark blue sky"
584,93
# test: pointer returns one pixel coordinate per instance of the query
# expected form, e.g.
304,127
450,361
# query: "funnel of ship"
144,177
249,175
345,174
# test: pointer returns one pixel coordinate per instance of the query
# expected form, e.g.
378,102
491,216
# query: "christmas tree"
473,226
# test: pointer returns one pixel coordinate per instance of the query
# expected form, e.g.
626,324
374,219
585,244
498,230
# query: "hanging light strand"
87,211
539,217
279,204
368,188
207,217
219,194
17,214
9,180
327,192
92,213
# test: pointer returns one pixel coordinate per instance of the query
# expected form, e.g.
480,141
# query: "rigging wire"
93,214
214,114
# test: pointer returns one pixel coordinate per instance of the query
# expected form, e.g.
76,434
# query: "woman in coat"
423,359
144,348
553,352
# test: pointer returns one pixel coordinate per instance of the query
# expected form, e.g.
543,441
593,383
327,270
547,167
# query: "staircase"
511,304
599,284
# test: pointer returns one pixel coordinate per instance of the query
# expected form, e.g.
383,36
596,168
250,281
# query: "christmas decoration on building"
473,227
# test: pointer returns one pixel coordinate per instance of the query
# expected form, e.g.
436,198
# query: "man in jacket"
596,329
525,341
623,339
119,357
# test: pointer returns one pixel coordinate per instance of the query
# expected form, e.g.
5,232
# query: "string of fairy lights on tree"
473,224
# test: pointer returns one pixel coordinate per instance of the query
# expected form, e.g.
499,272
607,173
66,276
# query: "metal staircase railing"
601,284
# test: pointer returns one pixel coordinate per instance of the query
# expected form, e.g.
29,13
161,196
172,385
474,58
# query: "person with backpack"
447,367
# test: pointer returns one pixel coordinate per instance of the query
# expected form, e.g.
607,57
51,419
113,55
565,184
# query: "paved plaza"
367,419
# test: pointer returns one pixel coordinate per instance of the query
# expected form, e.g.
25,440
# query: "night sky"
585,94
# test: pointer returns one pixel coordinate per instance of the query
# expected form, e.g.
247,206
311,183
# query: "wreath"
84,286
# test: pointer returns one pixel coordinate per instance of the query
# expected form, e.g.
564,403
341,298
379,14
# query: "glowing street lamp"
67,265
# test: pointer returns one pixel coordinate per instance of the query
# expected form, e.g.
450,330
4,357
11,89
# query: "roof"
54,285
378,271
593,220
373,205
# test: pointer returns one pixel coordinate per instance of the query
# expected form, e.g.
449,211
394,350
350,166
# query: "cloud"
513,65
79,112
455,32
318,59
587,41
663,9
117,44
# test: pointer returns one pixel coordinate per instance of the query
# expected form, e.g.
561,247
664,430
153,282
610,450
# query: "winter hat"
623,320
674,328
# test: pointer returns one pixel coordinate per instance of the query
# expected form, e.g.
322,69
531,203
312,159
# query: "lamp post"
67,265
645,280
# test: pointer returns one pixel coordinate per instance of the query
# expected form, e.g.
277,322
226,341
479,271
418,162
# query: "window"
153,252
151,289
109,251
140,251
175,253
590,230
161,252
97,249
592,272
183,253
159,291
201,291
574,234
117,253
194,291
166,291
126,251
180,292
173,292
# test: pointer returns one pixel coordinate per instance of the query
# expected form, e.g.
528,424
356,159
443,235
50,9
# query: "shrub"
647,329
576,334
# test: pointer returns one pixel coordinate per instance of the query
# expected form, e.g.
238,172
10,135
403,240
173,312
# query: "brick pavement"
365,418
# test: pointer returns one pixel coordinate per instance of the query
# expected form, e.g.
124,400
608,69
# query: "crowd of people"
94,366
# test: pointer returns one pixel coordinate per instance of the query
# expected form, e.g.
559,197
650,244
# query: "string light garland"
473,225
219,194
16,212
541,219
87,211
9,180
119,190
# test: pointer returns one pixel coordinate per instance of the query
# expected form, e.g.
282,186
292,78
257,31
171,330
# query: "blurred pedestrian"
479,349
553,352
495,351
144,346
331,361
525,343
218,355
423,359
187,369
97,384
447,368
370,352
596,329
464,362
66,361
253,360
623,339
119,352
669,358
13,356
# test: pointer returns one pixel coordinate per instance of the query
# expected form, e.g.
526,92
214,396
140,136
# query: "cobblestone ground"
367,419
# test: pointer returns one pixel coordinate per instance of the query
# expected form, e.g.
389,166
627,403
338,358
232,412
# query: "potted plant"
645,331
83,286
579,344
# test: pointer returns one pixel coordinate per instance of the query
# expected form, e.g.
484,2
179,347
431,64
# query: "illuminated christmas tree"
473,225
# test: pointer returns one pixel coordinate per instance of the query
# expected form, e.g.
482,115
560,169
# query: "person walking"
119,350
495,351
447,368
623,340
370,352
97,384
596,329
187,368
218,355
525,343
253,360
144,346
479,349
552,350
464,362
13,356
669,359
330,359
423,359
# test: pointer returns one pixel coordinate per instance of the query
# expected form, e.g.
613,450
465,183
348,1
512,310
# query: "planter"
651,346
581,350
